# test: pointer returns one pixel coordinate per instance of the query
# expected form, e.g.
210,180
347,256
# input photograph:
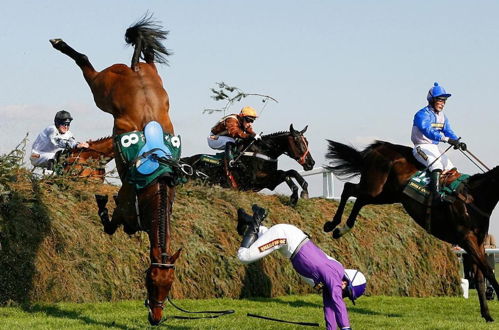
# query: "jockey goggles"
249,119
66,123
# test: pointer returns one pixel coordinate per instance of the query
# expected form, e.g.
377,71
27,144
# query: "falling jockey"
430,127
317,268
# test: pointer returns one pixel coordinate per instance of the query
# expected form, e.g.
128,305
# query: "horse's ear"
291,129
304,130
174,257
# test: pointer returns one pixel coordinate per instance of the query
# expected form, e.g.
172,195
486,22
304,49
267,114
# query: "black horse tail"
146,36
346,162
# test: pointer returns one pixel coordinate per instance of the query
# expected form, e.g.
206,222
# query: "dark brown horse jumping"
135,97
88,162
258,164
385,169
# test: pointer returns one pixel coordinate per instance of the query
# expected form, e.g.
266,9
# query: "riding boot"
229,154
435,185
51,164
243,220
259,213
251,233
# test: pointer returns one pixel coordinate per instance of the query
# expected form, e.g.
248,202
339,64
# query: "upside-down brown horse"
385,169
88,162
135,97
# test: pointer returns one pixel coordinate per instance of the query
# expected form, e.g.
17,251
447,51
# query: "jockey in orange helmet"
231,127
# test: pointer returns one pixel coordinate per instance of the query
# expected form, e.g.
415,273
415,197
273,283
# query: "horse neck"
485,189
159,234
274,145
104,146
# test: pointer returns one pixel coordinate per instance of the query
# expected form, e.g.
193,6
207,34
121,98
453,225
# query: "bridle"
294,149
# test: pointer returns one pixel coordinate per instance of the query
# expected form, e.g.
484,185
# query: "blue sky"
354,71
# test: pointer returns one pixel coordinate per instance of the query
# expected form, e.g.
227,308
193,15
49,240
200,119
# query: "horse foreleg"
481,269
81,59
349,190
124,213
301,181
294,196
103,212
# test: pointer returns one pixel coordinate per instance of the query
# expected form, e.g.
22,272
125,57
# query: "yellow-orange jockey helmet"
248,112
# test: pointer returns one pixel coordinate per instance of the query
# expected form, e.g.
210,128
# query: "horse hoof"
304,194
55,42
336,233
328,226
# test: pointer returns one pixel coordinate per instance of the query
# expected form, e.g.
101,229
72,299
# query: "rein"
218,313
310,324
476,158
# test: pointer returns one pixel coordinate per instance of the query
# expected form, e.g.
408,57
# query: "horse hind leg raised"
349,190
81,59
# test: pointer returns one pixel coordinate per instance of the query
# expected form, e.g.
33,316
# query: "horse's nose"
154,319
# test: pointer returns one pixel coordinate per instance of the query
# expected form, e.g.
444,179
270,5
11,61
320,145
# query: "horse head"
299,149
159,280
88,162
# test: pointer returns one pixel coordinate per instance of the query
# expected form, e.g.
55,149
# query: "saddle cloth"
142,171
417,187
213,159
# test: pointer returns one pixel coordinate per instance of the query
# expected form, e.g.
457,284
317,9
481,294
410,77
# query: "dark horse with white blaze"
385,169
135,96
258,164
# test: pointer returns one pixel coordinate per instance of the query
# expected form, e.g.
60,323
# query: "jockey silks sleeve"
430,127
51,141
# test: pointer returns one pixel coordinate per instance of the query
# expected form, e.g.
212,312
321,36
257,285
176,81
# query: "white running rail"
327,180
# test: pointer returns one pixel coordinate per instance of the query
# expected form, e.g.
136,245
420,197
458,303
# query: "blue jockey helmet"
356,284
436,91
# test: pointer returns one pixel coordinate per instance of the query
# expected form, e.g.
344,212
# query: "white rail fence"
327,180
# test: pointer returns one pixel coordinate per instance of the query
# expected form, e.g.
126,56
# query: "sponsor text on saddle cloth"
417,187
143,152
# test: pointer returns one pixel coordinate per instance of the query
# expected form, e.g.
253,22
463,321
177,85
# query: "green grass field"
370,313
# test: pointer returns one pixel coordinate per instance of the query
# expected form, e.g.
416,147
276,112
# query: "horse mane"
146,36
476,180
99,139
275,134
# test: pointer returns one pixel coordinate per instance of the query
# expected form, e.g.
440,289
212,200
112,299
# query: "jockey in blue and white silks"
430,127
314,266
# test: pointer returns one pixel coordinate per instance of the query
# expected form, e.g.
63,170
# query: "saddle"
153,149
452,183
149,154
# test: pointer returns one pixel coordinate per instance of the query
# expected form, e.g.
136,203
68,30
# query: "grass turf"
376,312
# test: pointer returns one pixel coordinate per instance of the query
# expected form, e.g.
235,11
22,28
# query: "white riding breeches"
41,159
282,237
428,154
219,142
